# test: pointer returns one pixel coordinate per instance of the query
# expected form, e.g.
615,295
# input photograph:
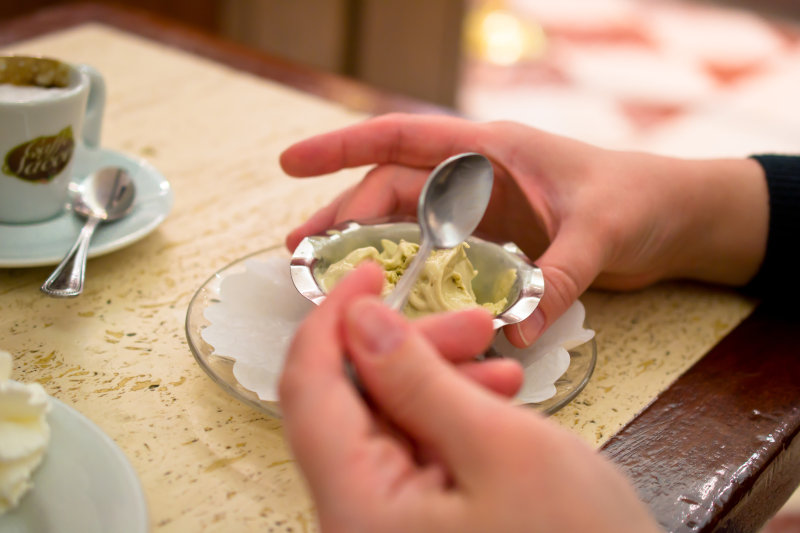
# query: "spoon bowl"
451,205
453,200
104,196
107,194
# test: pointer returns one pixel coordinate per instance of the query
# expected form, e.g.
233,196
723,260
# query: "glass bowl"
219,367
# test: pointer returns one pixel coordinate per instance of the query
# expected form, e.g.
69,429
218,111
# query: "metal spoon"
451,205
105,195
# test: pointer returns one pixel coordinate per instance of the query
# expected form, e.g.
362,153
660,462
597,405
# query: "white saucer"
84,485
46,243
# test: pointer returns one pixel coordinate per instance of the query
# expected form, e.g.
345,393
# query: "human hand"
620,220
433,451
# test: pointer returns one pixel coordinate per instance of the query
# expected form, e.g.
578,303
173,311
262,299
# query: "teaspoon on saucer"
105,195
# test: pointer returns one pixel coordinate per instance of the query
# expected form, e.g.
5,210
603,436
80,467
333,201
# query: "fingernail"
378,329
530,328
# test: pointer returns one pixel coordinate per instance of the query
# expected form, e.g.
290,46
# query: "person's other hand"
432,451
621,220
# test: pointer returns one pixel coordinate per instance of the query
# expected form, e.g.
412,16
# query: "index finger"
412,140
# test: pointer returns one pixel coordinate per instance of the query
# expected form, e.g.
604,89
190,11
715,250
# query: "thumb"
413,386
569,265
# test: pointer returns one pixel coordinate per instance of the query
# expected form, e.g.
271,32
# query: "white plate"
84,485
46,243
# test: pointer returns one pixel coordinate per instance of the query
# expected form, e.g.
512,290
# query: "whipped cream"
24,434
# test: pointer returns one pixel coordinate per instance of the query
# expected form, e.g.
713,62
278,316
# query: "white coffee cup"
41,128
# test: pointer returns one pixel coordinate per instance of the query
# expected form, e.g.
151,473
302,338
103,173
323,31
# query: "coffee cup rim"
73,87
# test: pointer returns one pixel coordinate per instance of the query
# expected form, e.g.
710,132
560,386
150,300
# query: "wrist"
726,232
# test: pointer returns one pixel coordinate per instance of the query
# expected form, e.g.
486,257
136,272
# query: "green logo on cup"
40,159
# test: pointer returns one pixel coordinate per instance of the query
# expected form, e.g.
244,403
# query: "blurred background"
681,77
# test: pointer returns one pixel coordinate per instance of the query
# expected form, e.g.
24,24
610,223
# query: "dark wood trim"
345,91
717,450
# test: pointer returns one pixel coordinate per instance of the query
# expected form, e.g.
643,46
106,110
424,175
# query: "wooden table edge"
717,450
681,453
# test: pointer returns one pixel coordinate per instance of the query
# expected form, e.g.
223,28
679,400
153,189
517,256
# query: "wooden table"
694,395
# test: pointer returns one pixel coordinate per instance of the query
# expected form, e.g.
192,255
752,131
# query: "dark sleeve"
778,274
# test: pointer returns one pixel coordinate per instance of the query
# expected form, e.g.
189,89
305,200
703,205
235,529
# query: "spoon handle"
66,281
397,298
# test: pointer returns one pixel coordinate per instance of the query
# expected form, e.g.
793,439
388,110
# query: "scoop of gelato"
445,283
24,434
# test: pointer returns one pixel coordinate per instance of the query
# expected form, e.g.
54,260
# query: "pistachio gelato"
445,283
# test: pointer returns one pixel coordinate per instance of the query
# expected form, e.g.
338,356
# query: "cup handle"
94,106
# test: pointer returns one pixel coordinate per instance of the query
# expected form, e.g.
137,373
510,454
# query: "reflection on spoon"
451,205
104,196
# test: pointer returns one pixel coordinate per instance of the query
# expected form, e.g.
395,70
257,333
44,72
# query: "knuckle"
407,389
